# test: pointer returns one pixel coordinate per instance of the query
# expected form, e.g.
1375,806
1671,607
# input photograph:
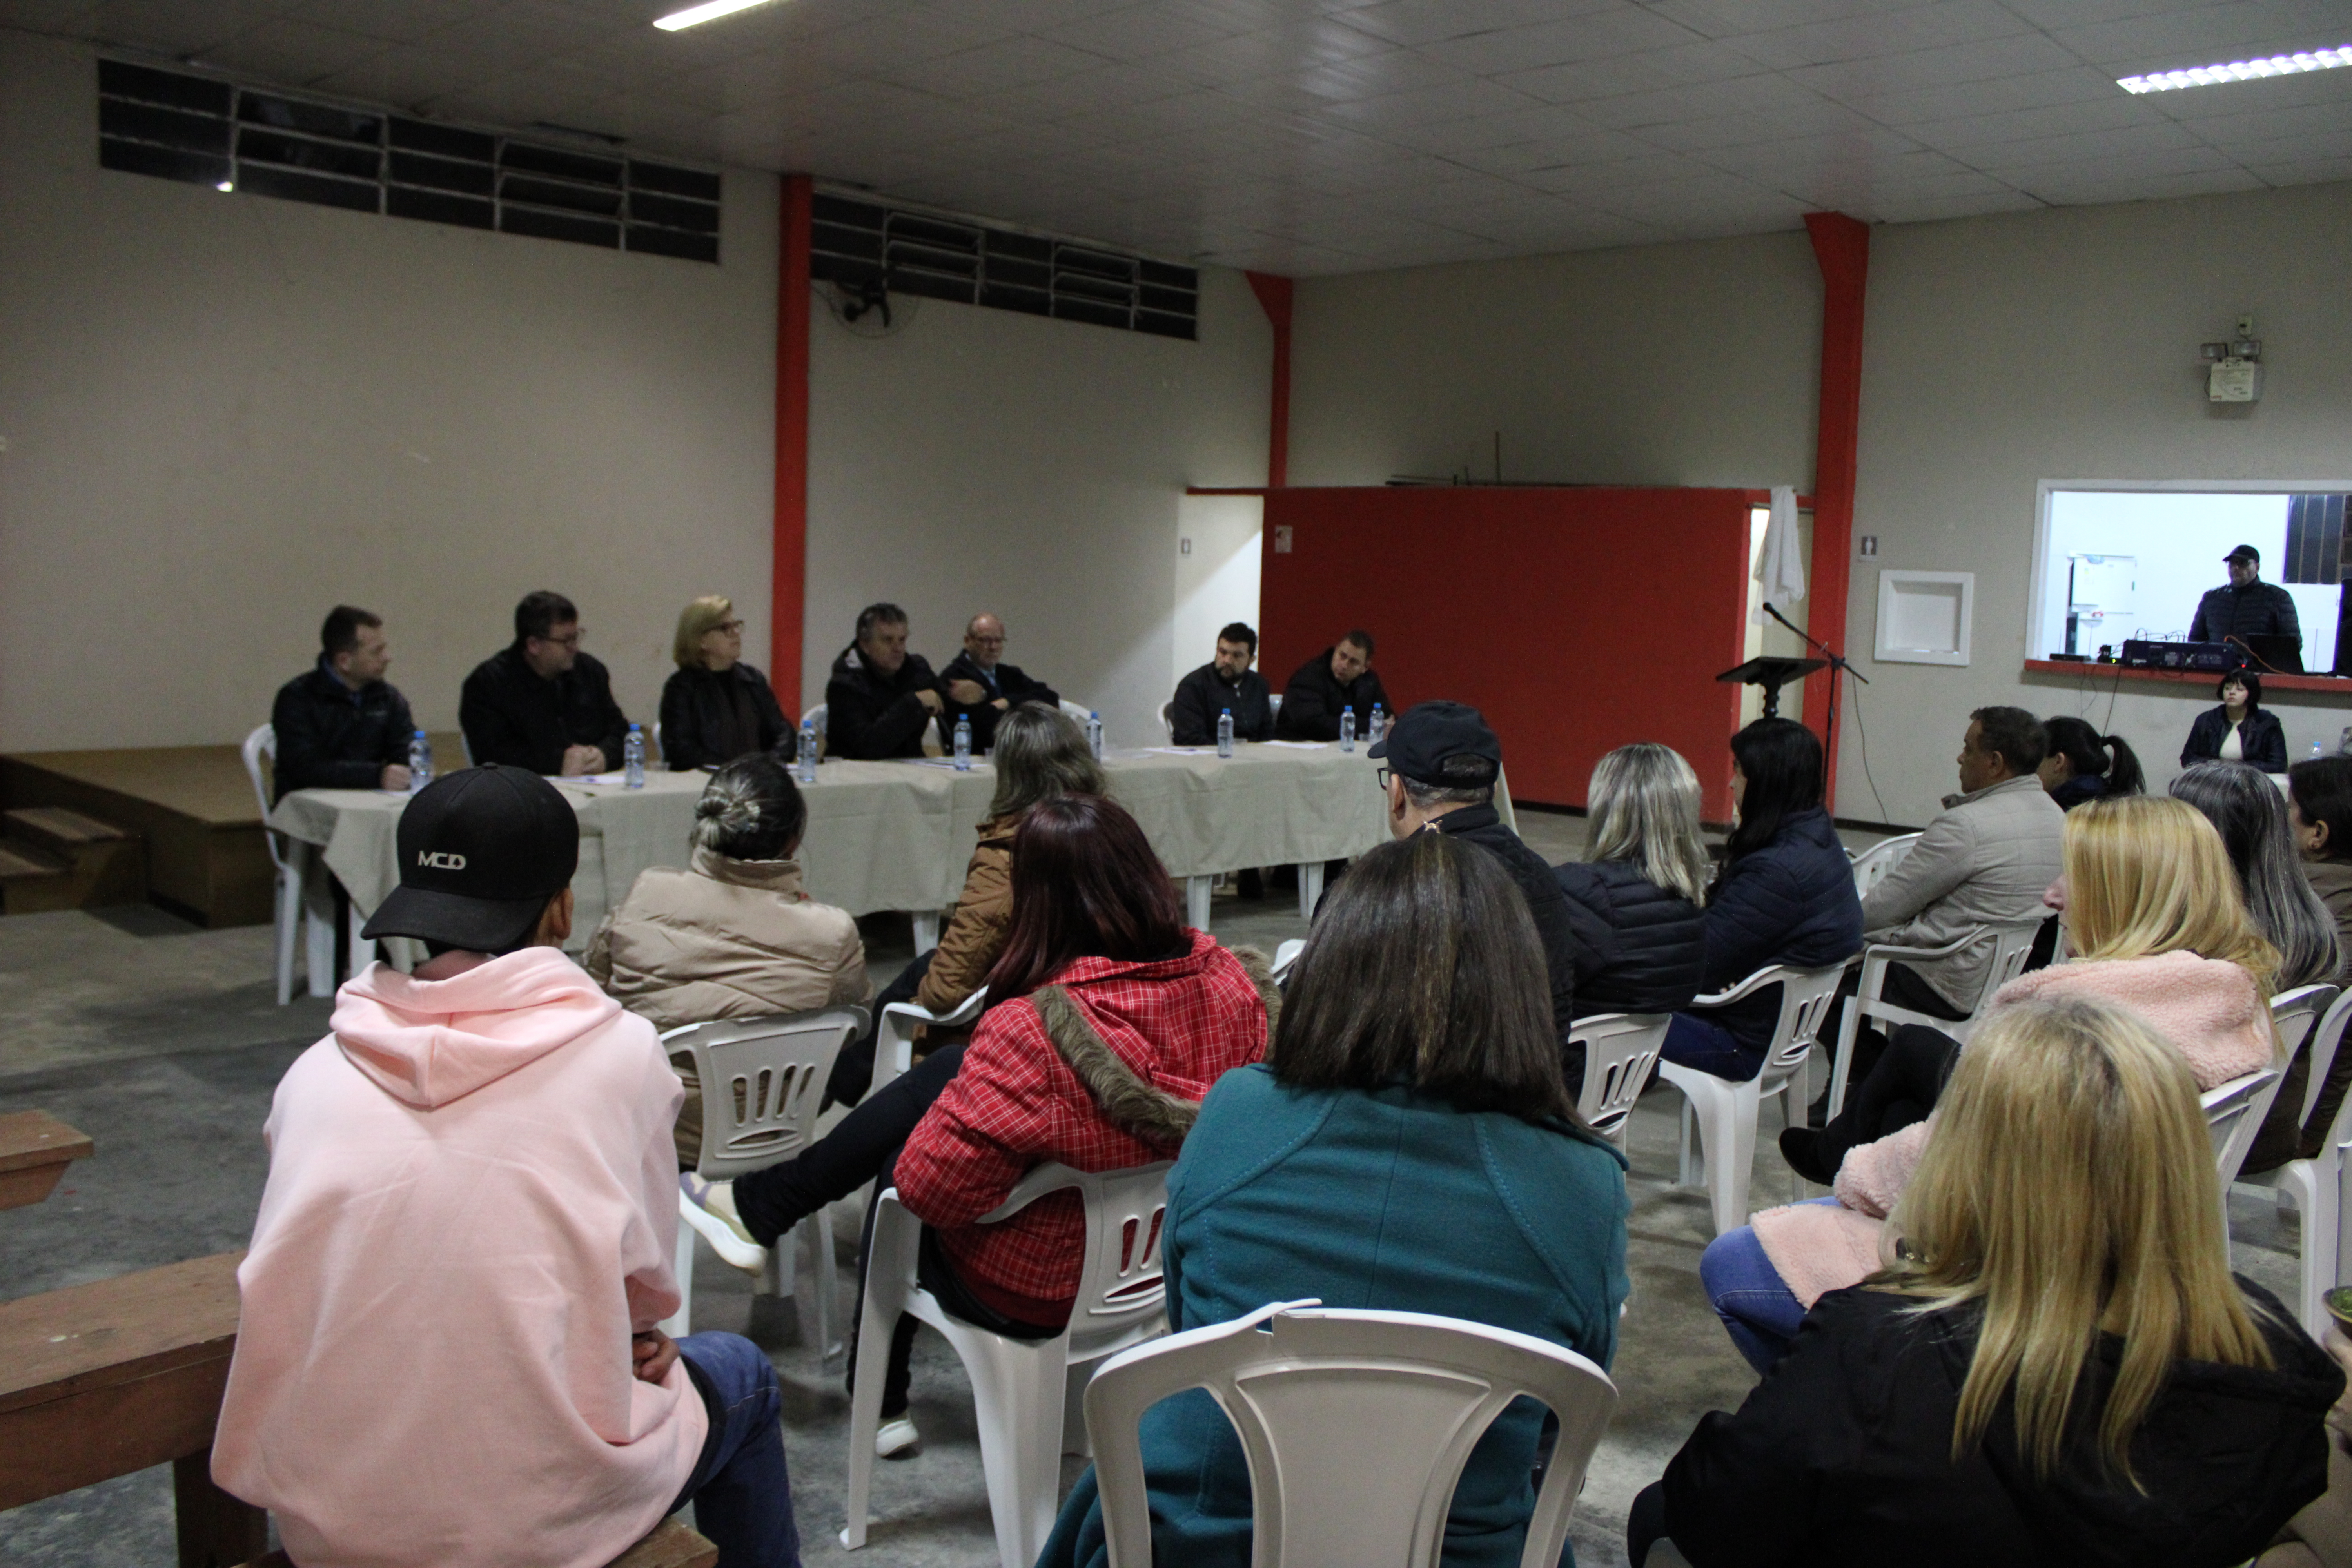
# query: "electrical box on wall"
2233,372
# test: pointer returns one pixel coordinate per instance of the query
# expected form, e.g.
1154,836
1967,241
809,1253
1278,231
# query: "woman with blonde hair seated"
1635,900
2053,1363
716,708
2151,905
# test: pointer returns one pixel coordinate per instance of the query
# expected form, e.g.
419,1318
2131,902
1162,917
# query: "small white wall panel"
1923,616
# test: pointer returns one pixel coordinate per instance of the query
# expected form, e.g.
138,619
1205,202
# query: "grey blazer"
1989,855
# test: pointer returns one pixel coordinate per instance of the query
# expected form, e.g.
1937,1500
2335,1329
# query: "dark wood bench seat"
34,1150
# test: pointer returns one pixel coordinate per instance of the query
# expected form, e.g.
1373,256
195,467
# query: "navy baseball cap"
481,851
2246,552
1428,735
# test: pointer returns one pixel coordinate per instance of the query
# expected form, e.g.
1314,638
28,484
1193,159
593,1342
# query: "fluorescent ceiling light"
2236,70
710,10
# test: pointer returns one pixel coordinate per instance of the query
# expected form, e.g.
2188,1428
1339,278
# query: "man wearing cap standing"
1442,765
448,1346
2247,607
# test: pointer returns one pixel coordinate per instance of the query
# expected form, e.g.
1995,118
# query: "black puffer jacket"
871,716
1640,949
2260,736
699,707
1790,902
1842,1455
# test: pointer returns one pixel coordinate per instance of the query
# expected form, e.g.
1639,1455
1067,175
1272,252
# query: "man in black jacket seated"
981,685
541,703
1340,677
340,725
1442,761
1226,682
880,696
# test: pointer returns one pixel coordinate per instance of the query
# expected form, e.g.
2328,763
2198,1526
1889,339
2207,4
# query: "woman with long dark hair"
1408,1145
1784,895
2082,765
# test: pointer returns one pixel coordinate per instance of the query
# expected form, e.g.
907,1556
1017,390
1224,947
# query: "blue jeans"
1759,1311
743,1498
1695,1043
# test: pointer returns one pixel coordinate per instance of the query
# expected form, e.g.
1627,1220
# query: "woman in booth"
2082,765
716,708
2240,731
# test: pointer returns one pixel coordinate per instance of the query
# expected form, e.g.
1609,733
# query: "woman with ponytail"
2082,765
733,935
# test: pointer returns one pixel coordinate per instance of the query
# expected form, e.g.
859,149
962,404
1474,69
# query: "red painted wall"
1576,620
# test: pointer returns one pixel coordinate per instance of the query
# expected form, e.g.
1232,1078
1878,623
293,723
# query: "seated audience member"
733,935
714,708
2320,1535
1110,1021
2319,814
543,704
340,725
1635,900
1340,677
1784,895
879,698
2256,827
2079,763
1225,684
1987,856
2151,907
982,688
1041,754
2240,731
2055,1365
1442,761
447,1349
1406,1146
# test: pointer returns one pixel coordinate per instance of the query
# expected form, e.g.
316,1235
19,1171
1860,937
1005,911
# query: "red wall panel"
1576,620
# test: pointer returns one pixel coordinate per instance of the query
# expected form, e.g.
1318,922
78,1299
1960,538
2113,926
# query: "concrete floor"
161,1041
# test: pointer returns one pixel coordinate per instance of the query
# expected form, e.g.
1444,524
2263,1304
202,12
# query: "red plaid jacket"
1179,1024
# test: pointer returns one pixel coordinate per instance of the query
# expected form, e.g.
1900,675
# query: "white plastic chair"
288,857
1871,867
894,1042
465,744
1726,1114
2012,945
2233,1114
1285,956
1621,1050
1024,1392
2312,1185
762,1080
1356,1426
1167,720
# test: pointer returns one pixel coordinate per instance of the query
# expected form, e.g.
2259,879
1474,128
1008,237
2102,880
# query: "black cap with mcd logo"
481,851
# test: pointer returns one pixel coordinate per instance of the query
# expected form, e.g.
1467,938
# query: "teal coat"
1389,1200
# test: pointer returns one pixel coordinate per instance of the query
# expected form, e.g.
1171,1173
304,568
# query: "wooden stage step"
76,861
192,835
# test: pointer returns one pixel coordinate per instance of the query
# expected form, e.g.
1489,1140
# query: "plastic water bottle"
420,761
1225,733
1348,728
1380,725
963,743
2317,751
633,757
807,753
1093,734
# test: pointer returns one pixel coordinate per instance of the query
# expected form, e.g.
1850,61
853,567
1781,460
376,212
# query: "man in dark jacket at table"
880,696
1340,677
1226,682
2245,606
340,725
980,685
1442,761
542,704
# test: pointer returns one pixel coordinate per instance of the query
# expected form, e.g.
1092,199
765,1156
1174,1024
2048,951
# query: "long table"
896,835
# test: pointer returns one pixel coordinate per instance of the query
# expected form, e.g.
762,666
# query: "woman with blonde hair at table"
714,708
2049,1362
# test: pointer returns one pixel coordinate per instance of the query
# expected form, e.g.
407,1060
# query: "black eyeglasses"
1380,777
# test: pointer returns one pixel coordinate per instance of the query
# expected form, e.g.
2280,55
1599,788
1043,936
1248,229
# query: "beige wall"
223,414
978,459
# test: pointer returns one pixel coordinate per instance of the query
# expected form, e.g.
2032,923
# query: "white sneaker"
710,1208
898,1439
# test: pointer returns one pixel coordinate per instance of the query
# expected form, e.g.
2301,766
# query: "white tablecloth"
896,835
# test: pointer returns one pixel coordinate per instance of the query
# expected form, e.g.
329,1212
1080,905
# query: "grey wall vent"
862,248
208,132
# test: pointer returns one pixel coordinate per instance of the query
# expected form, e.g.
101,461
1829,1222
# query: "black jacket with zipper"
1640,948
695,712
871,716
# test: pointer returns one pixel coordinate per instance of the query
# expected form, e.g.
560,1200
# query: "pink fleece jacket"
471,1207
2208,1009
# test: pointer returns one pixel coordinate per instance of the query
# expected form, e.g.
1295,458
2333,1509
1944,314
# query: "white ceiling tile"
2023,54
1137,32
165,29
1725,18
993,68
395,21
2088,187
1957,100
2210,34
1273,51
405,77
1440,105
1818,119
1597,36
1685,65
1668,106
2312,172
1419,22
2054,14
1937,209
2116,113
2092,149
295,53
1921,27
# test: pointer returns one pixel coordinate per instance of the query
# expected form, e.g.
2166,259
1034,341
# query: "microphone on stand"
1837,661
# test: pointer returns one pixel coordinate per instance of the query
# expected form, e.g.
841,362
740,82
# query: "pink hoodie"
471,1206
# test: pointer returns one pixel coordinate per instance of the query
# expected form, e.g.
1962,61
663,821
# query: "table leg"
1196,901
927,931
216,1530
318,932
1310,888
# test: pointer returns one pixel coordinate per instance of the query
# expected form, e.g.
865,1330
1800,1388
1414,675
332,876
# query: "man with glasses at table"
541,703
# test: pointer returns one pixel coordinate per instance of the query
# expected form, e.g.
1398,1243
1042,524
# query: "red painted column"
1273,293
1842,250
788,579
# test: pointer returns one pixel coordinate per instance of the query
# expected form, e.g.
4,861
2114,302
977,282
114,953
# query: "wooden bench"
671,1545
104,1379
34,1150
